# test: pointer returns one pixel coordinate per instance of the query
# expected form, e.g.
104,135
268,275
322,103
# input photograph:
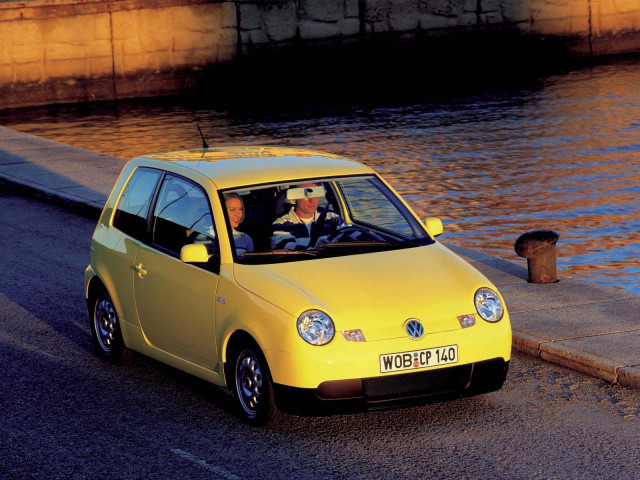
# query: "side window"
133,207
182,216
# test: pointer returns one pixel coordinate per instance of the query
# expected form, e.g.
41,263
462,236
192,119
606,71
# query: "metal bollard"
539,248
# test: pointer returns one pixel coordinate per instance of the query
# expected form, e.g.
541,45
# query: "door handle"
140,269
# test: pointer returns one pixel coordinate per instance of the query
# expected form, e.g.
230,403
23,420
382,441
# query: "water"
561,153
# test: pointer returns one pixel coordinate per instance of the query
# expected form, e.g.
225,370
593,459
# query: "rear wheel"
105,330
253,387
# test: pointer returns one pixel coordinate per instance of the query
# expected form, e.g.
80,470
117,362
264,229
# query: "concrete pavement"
73,177
580,325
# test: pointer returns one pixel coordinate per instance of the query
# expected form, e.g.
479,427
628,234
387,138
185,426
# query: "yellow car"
296,278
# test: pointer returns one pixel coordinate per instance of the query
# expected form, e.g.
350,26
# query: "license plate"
429,357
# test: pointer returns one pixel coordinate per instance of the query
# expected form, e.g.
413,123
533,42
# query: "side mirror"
433,226
194,253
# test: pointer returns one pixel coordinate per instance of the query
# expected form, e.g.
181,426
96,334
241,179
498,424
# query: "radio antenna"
204,142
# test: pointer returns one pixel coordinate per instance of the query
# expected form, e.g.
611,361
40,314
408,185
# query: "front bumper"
395,390
308,366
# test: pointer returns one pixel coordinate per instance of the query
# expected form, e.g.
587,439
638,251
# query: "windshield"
318,218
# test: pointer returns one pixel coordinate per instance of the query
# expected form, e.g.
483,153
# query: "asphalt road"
67,415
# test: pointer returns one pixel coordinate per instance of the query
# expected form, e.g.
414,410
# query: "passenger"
292,231
235,211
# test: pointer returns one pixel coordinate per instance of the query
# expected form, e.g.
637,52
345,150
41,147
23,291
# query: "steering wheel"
346,231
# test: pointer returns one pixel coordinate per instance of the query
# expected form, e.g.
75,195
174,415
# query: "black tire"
252,386
105,330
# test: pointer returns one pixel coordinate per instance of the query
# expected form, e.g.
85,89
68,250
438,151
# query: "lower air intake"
420,383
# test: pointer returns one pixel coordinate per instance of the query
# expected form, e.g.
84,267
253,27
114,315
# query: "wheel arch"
93,289
232,344
95,286
118,352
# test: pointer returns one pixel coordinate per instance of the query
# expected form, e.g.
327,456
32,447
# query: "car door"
112,253
175,301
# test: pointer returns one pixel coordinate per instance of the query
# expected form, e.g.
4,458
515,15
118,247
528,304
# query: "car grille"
420,383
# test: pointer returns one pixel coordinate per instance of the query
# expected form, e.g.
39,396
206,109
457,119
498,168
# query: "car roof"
229,167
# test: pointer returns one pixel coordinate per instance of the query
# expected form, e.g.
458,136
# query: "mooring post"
539,248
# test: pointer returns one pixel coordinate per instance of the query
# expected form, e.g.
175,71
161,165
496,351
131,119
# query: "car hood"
375,292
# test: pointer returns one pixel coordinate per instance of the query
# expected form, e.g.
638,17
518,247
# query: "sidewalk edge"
578,360
78,205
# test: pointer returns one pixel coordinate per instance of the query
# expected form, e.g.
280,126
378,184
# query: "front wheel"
105,330
253,387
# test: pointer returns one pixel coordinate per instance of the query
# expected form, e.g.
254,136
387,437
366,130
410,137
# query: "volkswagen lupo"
198,261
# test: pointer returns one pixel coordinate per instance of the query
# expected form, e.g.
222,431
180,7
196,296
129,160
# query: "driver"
293,230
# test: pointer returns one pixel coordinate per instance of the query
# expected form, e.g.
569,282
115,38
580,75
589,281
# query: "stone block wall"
72,50
68,50
588,25
273,23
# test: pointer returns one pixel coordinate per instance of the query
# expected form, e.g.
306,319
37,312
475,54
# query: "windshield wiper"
337,248
281,252
365,244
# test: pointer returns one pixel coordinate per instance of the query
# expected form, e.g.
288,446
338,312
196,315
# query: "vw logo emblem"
414,328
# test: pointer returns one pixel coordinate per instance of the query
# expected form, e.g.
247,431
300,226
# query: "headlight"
316,327
489,305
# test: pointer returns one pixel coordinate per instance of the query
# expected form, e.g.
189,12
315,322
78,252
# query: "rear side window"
132,210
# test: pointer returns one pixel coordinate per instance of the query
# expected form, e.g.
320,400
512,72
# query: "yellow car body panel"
362,292
261,164
186,315
361,297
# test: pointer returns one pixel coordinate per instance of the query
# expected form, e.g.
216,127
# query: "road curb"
76,204
577,359
526,343
629,376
